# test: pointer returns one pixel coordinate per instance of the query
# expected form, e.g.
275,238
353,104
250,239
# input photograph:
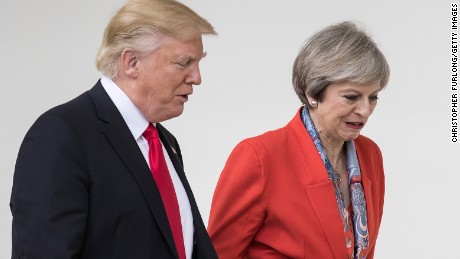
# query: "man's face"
166,77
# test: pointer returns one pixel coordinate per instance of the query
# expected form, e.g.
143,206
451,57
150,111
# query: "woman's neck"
332,146
334,151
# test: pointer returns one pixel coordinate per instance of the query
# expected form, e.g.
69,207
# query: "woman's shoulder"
365,142
368,149
268,138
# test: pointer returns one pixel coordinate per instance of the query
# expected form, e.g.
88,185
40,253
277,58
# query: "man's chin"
177,112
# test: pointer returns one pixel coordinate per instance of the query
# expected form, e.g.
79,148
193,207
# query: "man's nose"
194,77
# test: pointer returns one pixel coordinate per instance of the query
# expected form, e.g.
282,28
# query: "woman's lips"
355,125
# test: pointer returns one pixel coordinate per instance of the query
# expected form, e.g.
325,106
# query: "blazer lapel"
119,136
319,189
369,207
322,199
365,168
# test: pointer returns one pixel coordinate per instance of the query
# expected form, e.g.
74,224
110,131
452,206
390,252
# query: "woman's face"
344,110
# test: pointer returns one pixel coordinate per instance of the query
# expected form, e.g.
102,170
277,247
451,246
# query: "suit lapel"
175,156
171,148
122,141
319,189
202,246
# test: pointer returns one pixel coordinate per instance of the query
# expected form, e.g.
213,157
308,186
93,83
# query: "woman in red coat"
314,188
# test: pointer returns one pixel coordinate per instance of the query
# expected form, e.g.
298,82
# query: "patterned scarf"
358,202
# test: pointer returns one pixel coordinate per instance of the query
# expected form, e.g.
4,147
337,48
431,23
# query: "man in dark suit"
91,180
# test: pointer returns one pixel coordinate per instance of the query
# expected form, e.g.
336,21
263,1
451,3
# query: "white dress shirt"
137,124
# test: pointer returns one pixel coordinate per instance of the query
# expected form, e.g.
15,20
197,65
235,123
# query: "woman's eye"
374,98
351,97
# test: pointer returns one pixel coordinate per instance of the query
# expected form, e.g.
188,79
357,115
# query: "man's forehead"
192,48
189,54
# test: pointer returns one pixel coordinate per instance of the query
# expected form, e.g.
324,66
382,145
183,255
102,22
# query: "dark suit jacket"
82,188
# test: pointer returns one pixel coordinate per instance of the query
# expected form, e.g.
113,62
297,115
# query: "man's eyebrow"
193,57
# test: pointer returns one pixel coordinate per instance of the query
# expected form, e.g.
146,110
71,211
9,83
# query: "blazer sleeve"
240,202
49,200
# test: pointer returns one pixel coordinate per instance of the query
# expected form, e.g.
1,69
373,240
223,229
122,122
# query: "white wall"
48,49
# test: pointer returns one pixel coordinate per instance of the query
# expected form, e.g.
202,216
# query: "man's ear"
129,63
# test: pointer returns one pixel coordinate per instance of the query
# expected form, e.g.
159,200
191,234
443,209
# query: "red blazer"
274,198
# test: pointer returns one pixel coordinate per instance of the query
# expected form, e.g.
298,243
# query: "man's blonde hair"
139,25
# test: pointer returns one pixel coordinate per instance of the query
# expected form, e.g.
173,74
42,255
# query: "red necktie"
165,185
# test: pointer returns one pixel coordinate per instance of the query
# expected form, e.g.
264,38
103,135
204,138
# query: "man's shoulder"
69,112
72,106
76,108
76,113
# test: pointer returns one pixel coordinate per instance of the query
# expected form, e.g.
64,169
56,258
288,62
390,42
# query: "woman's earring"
314,104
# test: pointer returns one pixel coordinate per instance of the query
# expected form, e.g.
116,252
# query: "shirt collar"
133,117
